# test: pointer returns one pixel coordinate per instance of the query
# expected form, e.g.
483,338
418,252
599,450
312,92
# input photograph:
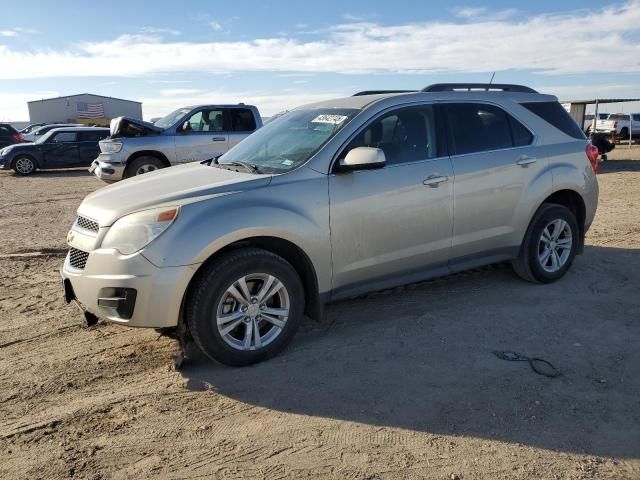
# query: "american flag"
90,110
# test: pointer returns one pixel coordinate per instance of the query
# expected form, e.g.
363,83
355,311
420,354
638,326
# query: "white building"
83,108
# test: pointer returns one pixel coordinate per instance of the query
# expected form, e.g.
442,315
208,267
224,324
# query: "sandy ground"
400,384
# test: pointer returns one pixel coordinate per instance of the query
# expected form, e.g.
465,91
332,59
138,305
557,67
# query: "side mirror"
363,158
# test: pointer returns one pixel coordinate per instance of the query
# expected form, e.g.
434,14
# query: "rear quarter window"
556,115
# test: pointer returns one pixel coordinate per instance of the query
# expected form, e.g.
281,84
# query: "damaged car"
185,135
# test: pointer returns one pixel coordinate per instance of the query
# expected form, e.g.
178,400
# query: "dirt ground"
400,384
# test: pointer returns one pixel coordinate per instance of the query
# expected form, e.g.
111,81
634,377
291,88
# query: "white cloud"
172,92
603,40
268,104
215,26
14,32
483,14
157,30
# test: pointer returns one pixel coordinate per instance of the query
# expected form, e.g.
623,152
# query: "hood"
17,146
171,186
130,127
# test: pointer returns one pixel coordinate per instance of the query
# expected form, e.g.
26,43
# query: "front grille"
87,224
78,258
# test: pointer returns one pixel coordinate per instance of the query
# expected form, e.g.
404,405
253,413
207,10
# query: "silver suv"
333,200
186,135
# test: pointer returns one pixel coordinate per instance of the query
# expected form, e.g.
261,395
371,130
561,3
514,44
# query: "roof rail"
378,92
450,87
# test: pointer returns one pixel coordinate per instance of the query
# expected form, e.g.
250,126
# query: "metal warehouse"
85,108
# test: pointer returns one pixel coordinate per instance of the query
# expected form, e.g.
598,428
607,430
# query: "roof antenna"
492,75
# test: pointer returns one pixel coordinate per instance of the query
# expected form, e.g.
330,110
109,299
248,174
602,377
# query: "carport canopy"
578,108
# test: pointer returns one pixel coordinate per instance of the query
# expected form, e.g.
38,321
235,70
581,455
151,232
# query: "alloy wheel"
145,169
554,246
24,165
253,311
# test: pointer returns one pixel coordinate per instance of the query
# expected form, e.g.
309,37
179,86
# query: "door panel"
391,224
61,151
495,162
386,223
202,136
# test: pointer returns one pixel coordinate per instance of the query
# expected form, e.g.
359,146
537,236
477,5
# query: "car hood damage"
130,127
172,186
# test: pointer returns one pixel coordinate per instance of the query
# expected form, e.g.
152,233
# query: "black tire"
624,134
146,162
528,265
24,165
208,292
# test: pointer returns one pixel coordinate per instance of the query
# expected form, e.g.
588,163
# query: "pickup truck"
587,126
188,134
617,125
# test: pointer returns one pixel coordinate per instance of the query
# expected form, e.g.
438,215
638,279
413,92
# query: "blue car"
58,148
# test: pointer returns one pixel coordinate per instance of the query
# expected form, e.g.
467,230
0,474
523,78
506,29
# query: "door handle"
525,160
218,139
435,180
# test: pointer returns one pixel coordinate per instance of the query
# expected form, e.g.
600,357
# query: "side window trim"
440,134
450,143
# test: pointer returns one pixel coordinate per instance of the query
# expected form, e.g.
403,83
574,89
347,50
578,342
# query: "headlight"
133,232
5,151
110,147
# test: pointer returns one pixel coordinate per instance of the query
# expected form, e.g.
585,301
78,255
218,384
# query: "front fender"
298,213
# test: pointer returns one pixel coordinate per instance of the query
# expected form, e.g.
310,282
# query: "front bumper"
128,289
106,169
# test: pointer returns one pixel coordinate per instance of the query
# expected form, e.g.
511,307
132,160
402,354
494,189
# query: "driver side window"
404,135
204,121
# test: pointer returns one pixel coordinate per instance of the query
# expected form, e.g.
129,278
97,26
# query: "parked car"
58,148
9,135
588,121
31,128
617,125
38,132
333,200
185,135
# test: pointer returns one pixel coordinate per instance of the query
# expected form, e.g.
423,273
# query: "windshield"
173,117
290,140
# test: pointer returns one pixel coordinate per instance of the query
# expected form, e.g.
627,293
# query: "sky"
279,54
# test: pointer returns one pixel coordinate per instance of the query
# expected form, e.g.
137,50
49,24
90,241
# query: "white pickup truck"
618,125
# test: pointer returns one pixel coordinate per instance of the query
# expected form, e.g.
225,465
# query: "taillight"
592,154
17,137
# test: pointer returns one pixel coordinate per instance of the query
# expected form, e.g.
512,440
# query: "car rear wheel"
550,245
143,165
245,307
24,165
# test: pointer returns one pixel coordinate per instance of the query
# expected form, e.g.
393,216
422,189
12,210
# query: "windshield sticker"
332,119
287,162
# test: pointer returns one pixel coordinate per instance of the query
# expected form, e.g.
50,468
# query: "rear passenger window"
476,127
405,135
93,136
556,115
242,120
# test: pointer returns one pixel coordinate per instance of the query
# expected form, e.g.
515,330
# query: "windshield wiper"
248,166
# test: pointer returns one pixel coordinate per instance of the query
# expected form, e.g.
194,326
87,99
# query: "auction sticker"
332,119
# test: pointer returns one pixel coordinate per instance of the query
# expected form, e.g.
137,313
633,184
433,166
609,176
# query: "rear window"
553,113
242,120
93,136
476,127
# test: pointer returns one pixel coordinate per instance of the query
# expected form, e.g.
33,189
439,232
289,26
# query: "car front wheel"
245,307
550,245
24,165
